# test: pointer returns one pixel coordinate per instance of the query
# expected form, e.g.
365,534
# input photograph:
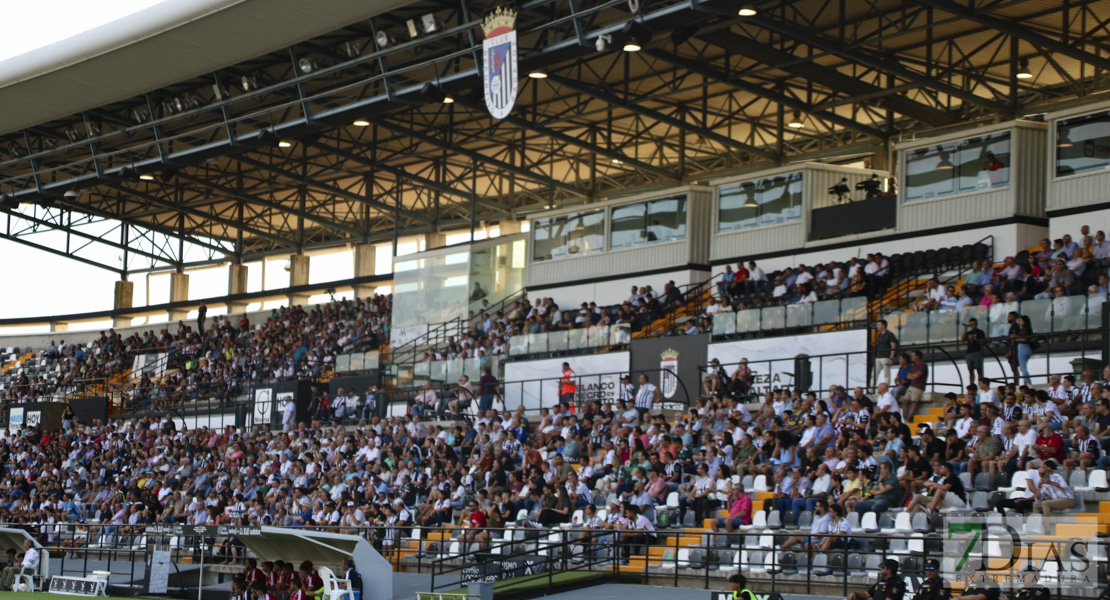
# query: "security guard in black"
889,586
933,588
1030,590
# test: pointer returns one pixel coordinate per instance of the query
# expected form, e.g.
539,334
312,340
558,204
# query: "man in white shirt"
780,288
643,532
886,403
288,415
1024,441
819,527
963,424
30,562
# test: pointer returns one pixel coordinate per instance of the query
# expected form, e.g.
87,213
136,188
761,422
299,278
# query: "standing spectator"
974,338
288,415
1025,344
202,312
886,346
918,375
488,389
646,396
568,386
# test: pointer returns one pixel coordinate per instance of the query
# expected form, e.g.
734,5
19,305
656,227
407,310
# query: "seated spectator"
942,490
1053,490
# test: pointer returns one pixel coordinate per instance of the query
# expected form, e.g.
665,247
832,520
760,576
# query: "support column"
434,240
509,226
236,284
179,292
124,297
298,275
365,257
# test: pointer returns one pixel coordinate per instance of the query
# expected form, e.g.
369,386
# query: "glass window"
1083,144
662,220
568,235
769,201
978,163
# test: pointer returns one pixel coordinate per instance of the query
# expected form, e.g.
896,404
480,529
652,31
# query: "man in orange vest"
567,387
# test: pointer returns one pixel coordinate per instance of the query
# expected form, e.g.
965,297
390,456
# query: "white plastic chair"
759,522
336,588
1096,480
870,522
1017,482
760,484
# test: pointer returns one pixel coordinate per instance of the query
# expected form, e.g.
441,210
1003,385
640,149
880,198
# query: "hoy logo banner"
499,59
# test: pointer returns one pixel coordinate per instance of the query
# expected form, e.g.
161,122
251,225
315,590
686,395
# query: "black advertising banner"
89,409
673,364
495,568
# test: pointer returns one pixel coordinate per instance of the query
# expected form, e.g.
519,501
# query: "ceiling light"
413,31
945,164
617,161
603,42
747,11
248,82
383,39
140,115
637,36
448,99
751,203
220,92
285,144
305,65
429,21
146,177
796,121
128,174
1064,141
1023,71
361,123
538,74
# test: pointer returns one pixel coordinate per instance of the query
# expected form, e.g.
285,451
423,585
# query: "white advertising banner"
772,359
597,375
263,412
399,336
15,419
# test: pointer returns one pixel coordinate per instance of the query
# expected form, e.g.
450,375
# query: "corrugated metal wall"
816,181
1024,195
1028,166
1075,190
693,249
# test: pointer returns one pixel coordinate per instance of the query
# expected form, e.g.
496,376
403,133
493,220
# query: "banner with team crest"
499,70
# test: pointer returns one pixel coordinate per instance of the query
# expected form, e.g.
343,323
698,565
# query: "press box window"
760,203
661,220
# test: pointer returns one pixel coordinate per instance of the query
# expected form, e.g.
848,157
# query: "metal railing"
789,319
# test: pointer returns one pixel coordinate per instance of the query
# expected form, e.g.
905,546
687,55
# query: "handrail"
691,298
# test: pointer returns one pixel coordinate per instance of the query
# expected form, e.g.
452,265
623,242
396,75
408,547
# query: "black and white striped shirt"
645,396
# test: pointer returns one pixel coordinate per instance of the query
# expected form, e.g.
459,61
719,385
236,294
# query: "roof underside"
710,93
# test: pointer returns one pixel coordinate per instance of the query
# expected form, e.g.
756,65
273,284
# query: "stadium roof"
181,166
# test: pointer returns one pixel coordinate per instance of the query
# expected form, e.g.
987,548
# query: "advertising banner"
535,383
772,359
671,364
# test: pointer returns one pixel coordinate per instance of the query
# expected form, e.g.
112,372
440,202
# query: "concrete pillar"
434,240
236,284
64,326
365,257
509,226
298,275
124,298
179,292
